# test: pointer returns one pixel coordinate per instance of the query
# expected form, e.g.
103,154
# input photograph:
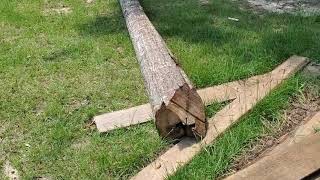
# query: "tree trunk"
177,107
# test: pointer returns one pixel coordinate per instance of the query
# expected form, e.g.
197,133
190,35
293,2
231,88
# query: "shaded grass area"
213,49
59,70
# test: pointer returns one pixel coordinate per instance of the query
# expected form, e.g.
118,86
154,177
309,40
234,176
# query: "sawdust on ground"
60,9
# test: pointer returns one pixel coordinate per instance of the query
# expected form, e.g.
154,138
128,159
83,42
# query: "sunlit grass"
59,70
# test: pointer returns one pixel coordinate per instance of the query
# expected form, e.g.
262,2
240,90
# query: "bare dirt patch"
299,110
304,7
10,172
79,144
41,178
89,1
312,70
60,9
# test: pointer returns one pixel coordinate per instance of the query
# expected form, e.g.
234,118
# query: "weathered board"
311,123
187,148
143,113
263,168
295,162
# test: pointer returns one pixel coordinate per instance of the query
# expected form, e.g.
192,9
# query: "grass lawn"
62,62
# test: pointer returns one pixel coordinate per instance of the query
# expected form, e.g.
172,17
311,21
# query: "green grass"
213,49
215,159
58,71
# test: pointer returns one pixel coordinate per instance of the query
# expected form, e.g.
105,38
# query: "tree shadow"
186,20
292,40
58,55
229,50
170,18
102,25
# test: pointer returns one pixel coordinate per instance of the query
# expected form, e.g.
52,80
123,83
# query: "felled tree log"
177,107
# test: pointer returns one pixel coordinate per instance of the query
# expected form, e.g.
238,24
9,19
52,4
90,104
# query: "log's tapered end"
183,116
169,124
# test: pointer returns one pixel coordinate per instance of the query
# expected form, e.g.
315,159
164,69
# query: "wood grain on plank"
184,151
294,162
298,136
300,133
123,118
143,113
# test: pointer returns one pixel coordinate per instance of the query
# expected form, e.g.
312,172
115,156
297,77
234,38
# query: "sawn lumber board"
143,113
183,152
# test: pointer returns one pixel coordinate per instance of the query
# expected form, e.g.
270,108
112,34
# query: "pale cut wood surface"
123,118
172,97
186,149
143,113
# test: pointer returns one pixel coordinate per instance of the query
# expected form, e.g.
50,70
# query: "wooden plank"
143,113
294,162
186,149
123,118
298,136
300,133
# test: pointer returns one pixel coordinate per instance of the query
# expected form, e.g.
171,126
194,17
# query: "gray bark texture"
177,107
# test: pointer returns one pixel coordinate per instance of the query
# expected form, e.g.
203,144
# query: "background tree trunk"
176,105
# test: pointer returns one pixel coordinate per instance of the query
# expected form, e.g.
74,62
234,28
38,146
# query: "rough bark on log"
177,107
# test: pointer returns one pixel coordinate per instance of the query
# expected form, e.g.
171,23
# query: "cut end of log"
183,116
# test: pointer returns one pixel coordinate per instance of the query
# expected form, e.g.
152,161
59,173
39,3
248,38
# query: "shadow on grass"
103,25
58,55
254,45
185,20
207,24
292,40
